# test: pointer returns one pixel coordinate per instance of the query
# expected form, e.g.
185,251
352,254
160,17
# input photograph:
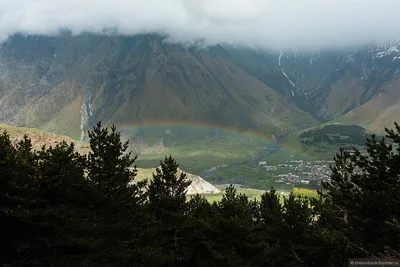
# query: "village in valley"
298,171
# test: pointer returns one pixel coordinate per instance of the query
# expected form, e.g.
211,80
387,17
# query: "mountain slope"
40,138
65,84
325,83
380,112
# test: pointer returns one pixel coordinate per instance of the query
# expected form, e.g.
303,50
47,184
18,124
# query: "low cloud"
261,23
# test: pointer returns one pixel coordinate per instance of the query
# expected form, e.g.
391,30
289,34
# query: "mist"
260,23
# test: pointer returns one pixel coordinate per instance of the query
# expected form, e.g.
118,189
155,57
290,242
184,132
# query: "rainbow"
252,134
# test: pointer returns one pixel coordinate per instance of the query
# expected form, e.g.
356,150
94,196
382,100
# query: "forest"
61,208
336,134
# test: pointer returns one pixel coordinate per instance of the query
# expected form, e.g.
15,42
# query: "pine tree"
199,231
109,163
270,208
50,197
235,224
167,190
271,233
167,199
117,213
63,197
364,192
17,174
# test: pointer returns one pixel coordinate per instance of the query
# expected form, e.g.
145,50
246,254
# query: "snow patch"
386,48
284,73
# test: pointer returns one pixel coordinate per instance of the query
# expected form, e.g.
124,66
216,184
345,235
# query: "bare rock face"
200,186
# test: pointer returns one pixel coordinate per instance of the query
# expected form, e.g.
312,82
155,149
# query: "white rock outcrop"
200,186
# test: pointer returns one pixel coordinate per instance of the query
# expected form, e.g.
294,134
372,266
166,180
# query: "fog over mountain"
260,23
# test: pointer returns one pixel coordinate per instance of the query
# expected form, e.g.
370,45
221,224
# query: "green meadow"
249,192
219,156
252,193
201,155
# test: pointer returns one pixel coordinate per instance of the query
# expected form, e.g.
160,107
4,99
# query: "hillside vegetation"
322,142
335,134
40,138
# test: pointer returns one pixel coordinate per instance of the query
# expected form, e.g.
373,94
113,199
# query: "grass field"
254,176
256,194
201,156
248,175
239,169
143,173
249,192
238,154
286,154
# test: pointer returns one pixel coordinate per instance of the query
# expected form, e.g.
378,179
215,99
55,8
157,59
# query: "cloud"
261,23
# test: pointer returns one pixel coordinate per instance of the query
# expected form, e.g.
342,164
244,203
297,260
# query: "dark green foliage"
49,192
336,134
167,200
59,208
108,163
167,191
16,162
365,194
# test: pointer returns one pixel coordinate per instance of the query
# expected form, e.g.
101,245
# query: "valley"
227,113
227,158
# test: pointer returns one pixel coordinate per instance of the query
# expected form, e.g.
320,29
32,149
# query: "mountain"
380,112
326,83
65,84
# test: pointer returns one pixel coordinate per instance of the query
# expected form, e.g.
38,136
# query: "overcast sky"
265,23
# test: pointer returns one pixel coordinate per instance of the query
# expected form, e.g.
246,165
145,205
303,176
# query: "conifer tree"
270,229
117,214
63,196
109,162
167,190
364,192
167,199
199,232
235,229
270,208
17,173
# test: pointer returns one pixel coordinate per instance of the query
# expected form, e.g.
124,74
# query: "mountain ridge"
65,84
126,80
